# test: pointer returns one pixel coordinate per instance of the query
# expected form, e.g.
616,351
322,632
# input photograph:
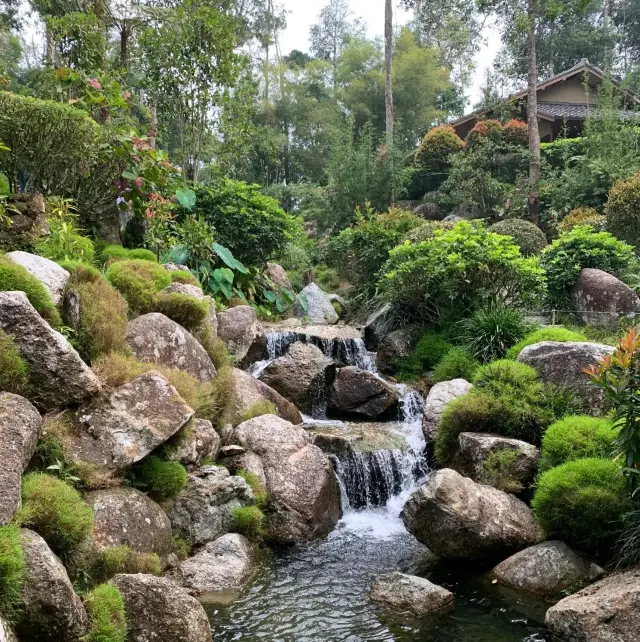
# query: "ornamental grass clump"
561,335
185,310
12,572
259,491
162,479
14,373
139,282
248,521
123,559
106,612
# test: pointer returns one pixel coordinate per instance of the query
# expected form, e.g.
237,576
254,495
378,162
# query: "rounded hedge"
505,377
527,236
437,147
623,210
577,437
139,282
561,335
582,216
456,364
582,503
162,479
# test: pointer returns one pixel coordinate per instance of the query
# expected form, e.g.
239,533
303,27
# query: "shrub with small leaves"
623,210
14,374
527,236
583,216
106,612
436,149
456,364
139,282
426,355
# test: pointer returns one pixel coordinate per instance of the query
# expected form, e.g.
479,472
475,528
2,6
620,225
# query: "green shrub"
123,559
82,272
456,364
426,355
139,282
527,236
506,377
583,216
497,471
51,145
582,503
259,491
15,277
436,149
182,276
248,521
111,253
14,374
246,221
458,271
544,334
577,437
622,209
162,479
54,510
489,333
12,571
107,621
185,310
581,248
142,254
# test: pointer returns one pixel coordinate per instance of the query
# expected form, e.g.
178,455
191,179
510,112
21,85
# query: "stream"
317,592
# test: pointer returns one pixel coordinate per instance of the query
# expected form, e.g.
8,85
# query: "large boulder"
123,427
222,565
409,593
203,511
475,447
547,570
278,276
378,325
52,612
186,289
238,327
394,346
358,392
437,399
607,611
196,442
155,338
319,308
125,516
20,429
57,372
302,376
28,217
459,519
49,273
563,364
158,610
250,391
601,299
304,496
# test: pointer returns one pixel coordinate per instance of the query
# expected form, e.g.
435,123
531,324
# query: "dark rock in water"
410,593
607,611
358,392
548,570
158,610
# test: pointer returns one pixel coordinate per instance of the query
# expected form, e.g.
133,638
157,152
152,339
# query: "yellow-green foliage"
258,409
544,334
107,621
112,253
12,571
582,216
577,437
15,277
162,479
103,315
14,374
54,510
259,491
181,547
123,559
185,310
248,521
213,345
139,282
182,276
497,471
622,210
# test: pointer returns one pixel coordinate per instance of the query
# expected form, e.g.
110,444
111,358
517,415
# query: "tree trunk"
606,21
532,114
124,45
388,86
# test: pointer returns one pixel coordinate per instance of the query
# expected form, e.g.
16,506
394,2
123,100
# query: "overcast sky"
303,13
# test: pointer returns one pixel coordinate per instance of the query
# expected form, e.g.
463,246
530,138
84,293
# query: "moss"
259,491
456,364
14,373
185,310
182,276
15,277
577,437
582,503
80,271
258,409
544,334
248,521
123,559
106,612
142,254
54,510
497,471
162,479
12,572
139,282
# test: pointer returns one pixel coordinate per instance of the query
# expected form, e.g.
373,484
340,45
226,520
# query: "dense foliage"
622,209
527,236
559,334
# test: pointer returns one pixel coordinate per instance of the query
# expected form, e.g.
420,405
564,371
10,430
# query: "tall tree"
388,70
532,111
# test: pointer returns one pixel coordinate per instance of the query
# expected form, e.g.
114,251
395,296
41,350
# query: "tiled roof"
573,111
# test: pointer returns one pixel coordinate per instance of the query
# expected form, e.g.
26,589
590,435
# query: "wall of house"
568,91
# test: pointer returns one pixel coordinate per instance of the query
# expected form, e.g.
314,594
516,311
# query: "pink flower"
95,83
126,95
138,181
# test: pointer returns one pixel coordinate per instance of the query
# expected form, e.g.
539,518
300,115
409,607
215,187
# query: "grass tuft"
12,572
107,620
14,373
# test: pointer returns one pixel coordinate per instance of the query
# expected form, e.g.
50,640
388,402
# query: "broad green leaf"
186,198
129,176
228,259
270,296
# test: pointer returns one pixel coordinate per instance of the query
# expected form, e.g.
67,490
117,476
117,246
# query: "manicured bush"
489,333
123,559
107,621
457,272
544,334
582,503
582,216
182,276
516,132
185,310
246,221
506,377
497,471
162,479
14,374
485,129
456,364
259,491
581,248
623,210
436,149
426,355
142,254
248,521
426,230
527,236
15,277
139,282
55,511
12,571
111,253
577,437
